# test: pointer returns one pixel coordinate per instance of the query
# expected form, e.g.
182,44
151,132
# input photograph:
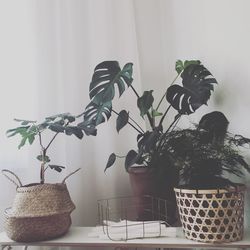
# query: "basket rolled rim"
8,214
231,189
37,186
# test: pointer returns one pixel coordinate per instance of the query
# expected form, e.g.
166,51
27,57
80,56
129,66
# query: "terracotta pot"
146,181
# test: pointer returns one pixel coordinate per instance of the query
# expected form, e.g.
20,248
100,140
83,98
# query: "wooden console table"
78,237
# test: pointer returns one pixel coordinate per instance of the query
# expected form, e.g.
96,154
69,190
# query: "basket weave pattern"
39,212
211,216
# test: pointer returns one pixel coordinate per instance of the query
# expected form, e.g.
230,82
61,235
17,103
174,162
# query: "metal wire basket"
119,217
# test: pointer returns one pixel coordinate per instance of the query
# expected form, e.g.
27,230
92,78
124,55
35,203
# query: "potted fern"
151,168
211,205
41,211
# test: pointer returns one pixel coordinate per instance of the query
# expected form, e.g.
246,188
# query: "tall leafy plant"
65,123
185,98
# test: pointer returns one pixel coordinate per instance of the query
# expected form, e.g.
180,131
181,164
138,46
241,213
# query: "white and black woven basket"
212,216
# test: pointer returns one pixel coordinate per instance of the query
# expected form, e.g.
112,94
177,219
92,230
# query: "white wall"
49,48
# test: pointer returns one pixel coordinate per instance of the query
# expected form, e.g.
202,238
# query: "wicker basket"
39,211
212,216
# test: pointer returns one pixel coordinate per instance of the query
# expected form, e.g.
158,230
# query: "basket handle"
16,180
70,175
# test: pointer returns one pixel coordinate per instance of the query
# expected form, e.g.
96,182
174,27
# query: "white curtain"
49,48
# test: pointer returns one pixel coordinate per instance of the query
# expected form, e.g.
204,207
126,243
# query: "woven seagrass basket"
39,211
212,216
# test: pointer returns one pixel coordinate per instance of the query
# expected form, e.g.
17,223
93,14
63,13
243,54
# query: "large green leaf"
196,90
106,75
95,114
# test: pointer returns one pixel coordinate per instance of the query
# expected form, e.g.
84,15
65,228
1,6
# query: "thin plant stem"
166,92
163,117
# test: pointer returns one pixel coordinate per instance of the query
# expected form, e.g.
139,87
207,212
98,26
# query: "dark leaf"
148,140
73,130
197,86
57,168
215,123
145,102
96,114
131,159
45,159
111,161
122,120
89,129
106,75
57,128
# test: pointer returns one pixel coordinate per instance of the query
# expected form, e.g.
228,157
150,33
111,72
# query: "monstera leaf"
106,75
196,90
95,114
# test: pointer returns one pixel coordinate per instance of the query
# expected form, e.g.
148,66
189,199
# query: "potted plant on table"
41,211
211,205
151,168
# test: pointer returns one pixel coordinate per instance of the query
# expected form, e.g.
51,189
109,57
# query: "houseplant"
42,210
150,167
211,205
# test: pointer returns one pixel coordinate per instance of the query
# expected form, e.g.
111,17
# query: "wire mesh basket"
133,217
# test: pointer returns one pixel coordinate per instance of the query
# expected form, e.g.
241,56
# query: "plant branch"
53,138
166,92
140,132
163,117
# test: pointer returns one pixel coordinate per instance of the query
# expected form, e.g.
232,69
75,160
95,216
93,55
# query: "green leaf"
96,114
57,128
197,86
122,120
111,161
73,130
56,167
179,67
145,102
40,158
24,122
131,159
106,75
189,62
155,113
89,129
23,141
18,130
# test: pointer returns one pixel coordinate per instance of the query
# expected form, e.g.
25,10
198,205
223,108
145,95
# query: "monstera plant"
185,98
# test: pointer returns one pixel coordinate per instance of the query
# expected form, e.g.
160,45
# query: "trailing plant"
185,98
207,154
58,124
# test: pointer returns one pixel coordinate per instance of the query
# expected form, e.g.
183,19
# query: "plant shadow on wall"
152,167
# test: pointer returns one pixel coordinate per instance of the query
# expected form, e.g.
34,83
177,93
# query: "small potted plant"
41,211
150,167
211,205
